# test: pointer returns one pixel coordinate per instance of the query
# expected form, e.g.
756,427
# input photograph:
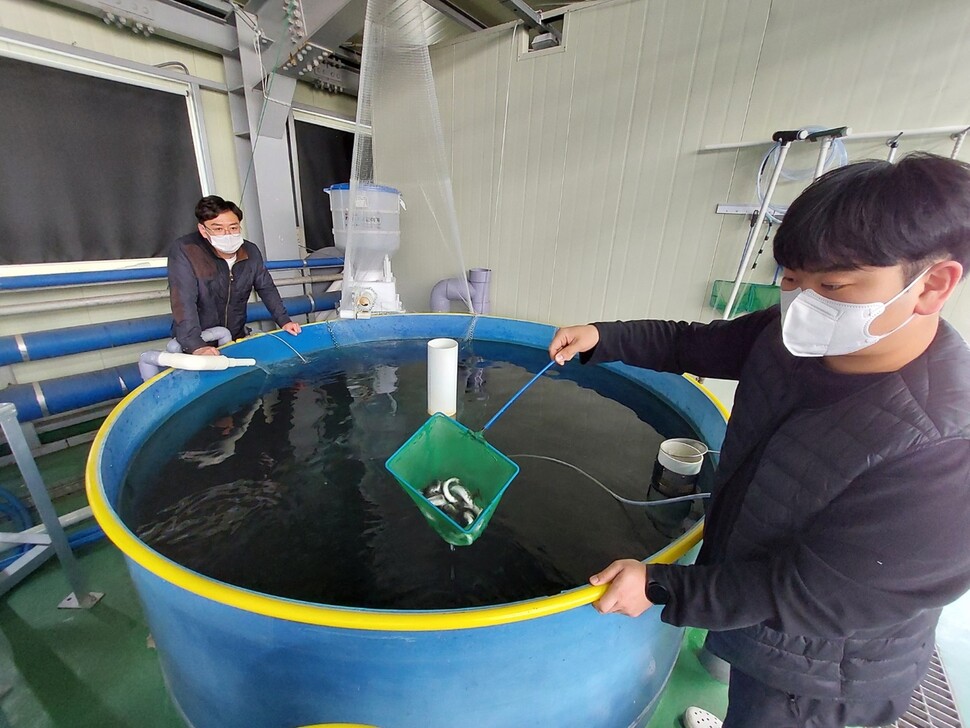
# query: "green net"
442,449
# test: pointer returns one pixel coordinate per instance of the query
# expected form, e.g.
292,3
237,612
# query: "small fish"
462,493
452,511
433,489
453,499
446,489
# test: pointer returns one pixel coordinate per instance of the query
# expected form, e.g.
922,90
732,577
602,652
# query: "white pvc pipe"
118,298
823,153
443,376
68,519
201,363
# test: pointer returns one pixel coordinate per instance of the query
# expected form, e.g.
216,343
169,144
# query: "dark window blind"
91,169
325,156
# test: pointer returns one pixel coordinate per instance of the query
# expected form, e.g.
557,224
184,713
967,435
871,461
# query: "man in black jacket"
839,525
211,274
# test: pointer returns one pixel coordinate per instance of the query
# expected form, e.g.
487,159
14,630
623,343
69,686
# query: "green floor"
79,668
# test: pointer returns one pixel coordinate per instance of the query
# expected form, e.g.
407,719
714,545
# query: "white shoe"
697,718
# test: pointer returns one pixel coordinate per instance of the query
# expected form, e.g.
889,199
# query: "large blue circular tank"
233,657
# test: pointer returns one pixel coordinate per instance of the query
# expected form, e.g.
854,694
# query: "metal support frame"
104,59
44,544
453,12
297,199
785,140
311,34
958,138
259,111
532,18
197,121
176,22
952,131
826,137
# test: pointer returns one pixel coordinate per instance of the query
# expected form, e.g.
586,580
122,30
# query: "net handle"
517,395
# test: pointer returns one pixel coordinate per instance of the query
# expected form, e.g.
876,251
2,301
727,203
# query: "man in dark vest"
839,525
212,272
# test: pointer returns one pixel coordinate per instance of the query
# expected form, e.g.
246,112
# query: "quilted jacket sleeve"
718,349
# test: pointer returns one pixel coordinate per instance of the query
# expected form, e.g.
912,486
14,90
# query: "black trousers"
752,704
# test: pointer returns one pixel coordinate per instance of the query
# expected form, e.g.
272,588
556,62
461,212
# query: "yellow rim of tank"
328,616
711,396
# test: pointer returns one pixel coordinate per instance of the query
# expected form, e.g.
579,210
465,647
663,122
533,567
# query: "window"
93,169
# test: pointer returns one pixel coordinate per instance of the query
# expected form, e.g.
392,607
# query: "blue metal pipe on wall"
53,396
92,337
49,280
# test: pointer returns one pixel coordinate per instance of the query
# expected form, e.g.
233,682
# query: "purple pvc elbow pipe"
453,289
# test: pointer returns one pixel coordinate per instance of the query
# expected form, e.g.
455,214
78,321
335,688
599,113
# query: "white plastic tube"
443,376
201,363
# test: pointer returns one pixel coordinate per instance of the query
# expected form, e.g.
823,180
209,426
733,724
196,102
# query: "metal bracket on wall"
43,545
725,209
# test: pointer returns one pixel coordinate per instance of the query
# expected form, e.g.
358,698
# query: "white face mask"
227,244
812,325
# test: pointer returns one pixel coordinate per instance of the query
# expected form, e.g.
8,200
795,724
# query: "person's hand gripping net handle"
572,340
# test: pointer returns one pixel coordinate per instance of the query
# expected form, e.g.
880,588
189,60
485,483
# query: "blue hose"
13,509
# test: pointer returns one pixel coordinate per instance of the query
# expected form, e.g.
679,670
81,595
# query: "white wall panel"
577,172
597,163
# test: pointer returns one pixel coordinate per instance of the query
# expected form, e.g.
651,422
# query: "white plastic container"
376,208
682,455
374,222
370,242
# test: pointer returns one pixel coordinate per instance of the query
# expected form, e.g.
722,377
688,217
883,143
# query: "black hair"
875,213
212,206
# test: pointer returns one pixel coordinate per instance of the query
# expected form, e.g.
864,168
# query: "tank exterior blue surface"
228,667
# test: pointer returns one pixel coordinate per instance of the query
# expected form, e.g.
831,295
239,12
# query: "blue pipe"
76,540
53,396
92,337
77,339
308,263
296,306
47,280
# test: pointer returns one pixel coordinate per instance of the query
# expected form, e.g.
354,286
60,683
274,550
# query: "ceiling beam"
176,22
452,11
